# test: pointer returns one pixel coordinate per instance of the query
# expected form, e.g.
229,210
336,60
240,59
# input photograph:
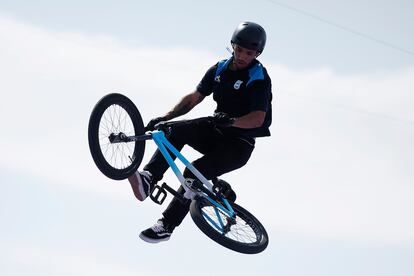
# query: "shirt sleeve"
261,95
205,87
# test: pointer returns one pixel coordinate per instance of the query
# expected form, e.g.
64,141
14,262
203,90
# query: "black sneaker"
157,233
144,183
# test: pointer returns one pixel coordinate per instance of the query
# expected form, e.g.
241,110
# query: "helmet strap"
229,50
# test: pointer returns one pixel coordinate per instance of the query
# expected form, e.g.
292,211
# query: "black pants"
221,154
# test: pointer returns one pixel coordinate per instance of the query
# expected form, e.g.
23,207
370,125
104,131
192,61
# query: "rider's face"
243,57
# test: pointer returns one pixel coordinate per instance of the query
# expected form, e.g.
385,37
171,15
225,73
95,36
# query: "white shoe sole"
149,240
139,183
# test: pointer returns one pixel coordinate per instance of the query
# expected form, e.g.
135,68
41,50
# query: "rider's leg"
227,156
198,136
195,135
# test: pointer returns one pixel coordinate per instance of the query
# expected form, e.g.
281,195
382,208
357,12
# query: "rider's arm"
187,103
251,120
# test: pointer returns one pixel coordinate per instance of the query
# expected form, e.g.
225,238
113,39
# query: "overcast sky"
332,185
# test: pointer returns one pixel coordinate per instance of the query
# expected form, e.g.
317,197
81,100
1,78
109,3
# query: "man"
242,89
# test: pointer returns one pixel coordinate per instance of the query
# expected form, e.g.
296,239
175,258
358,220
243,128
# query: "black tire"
246,236
115,113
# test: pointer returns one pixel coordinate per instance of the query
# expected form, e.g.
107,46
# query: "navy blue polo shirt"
240,92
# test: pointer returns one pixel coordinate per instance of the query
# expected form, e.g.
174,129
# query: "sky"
332,185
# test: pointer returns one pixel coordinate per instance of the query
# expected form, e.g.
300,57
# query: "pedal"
224,189
158,194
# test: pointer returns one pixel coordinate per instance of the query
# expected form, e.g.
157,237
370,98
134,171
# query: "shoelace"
148,176
159,227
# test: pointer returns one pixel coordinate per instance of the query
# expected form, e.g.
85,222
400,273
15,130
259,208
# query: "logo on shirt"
217,78
237,84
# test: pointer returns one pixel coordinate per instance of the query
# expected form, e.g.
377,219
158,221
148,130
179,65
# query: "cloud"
336,165
384,94
57,261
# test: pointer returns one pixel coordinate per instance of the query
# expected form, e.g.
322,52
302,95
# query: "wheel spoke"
114,120
241,231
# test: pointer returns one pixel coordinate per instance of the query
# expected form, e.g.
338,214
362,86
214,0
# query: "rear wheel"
243,233
112,115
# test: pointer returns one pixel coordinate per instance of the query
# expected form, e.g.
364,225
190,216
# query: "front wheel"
242,233
112,115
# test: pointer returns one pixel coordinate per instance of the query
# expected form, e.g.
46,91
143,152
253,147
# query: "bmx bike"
117,139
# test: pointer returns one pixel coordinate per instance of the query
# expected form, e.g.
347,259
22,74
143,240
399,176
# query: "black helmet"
250,35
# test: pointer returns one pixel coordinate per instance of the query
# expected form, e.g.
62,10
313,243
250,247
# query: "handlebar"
167,124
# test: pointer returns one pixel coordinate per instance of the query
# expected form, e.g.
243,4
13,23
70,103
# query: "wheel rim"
115,119
242,231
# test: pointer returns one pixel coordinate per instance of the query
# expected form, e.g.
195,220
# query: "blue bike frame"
163,144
